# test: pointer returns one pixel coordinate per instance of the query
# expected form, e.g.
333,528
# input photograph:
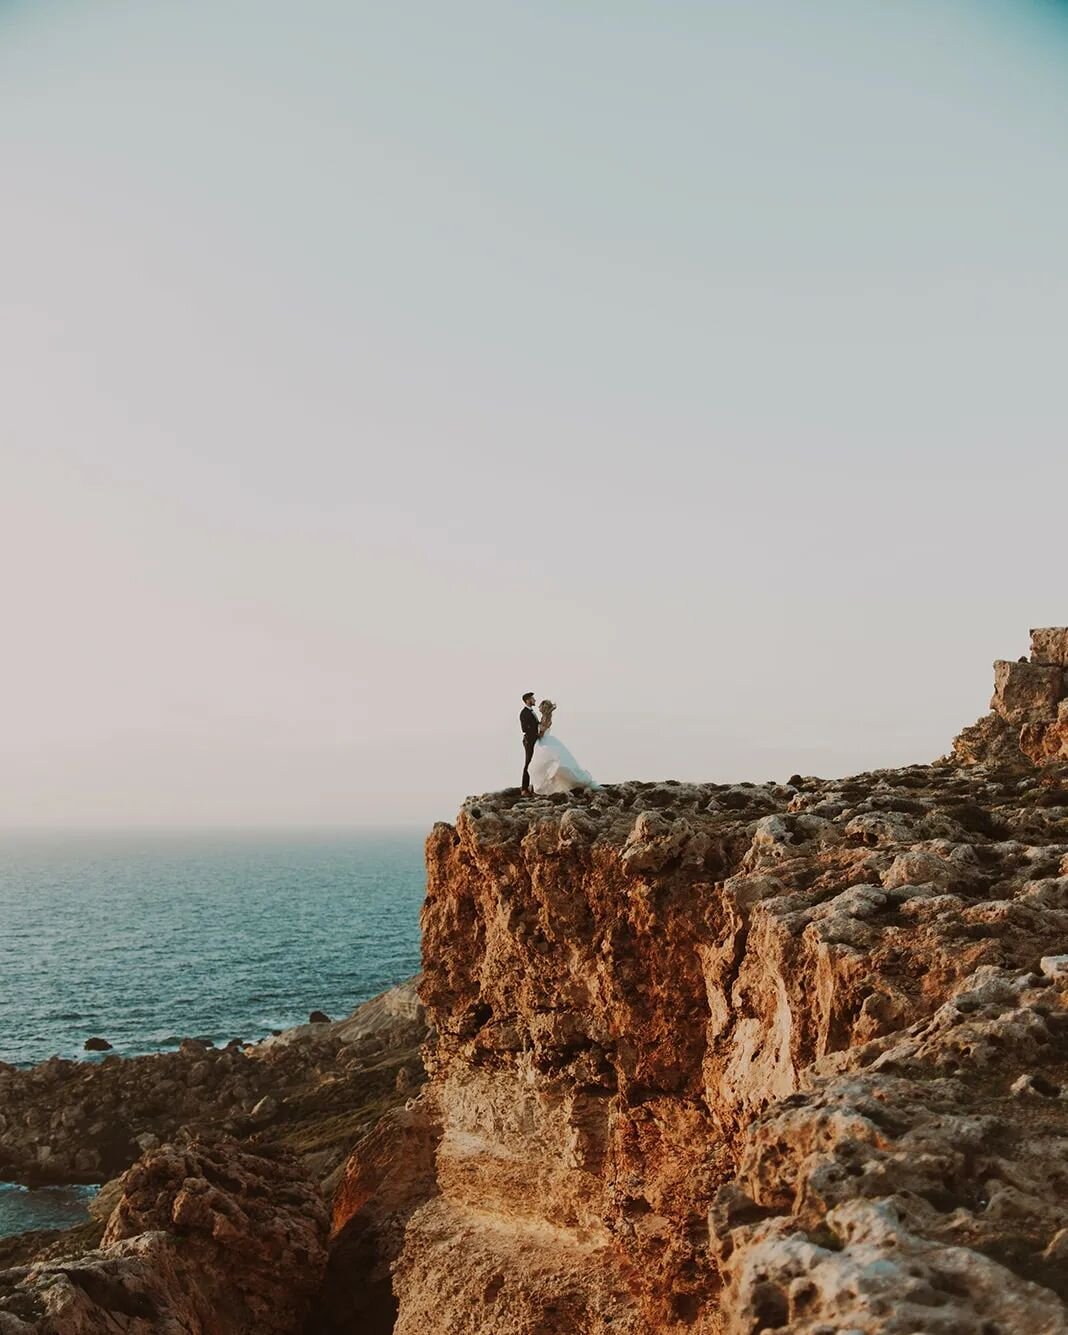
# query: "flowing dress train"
553,769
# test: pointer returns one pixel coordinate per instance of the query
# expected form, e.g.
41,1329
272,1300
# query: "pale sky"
701,365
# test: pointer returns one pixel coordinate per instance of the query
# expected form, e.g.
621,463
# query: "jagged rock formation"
313,1089
1029,718
704,1059
389,1176
740,1059
155,1255
202,1239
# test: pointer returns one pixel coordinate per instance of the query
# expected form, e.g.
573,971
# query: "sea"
146,938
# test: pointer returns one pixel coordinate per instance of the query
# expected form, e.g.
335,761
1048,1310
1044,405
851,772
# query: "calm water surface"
23,1210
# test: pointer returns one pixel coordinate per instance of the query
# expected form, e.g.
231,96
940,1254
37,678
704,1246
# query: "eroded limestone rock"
204,1240
1026,692
1050,645
714,1059
1029,722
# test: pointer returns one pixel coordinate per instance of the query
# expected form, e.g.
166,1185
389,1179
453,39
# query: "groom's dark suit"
528,721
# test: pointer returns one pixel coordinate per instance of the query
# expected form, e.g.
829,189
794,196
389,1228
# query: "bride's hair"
547,707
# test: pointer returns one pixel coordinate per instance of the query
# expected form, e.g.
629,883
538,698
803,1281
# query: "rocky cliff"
1028,719
742,1058
704,1059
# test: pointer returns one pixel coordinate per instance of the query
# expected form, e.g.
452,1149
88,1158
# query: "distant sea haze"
148,938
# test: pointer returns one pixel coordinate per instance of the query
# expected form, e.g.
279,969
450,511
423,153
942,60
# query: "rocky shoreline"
186,1141
66,1121
701,1059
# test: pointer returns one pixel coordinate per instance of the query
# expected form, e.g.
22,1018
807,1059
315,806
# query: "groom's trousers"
528,753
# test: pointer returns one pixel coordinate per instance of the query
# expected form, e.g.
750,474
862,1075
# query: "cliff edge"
739,1058
703,1059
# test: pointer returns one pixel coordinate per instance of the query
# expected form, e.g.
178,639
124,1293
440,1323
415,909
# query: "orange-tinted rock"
1047,743
664,1014
1026,692
1029,722
207,1240
913,1192
389,1174
1050,645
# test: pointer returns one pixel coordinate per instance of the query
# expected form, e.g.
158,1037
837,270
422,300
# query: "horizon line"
145,828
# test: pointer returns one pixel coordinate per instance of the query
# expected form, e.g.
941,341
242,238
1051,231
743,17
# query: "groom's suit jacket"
528,721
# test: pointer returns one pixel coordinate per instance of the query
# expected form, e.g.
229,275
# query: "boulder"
393,1019
1026,692
1055,967
104,1202
390,1174
97,1044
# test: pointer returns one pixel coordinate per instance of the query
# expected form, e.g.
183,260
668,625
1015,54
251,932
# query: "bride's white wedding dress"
553,769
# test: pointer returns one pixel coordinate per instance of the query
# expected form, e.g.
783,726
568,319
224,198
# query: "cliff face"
783,1059
738,1059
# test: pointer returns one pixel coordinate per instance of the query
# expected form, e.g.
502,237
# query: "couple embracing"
548,766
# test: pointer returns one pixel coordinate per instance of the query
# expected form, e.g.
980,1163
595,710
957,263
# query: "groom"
528,721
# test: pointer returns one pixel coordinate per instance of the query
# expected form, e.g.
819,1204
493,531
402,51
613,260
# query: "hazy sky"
699,364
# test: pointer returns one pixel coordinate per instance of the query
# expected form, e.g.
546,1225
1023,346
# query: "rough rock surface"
390,1174
314,1089
203,1240
1029,719
1050,645
1026,692
1047,743
920,1190
750,1058
778,1059
989,741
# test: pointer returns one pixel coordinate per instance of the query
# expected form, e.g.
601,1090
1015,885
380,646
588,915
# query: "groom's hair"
528,695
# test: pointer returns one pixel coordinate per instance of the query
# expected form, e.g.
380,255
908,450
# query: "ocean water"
148,938
23,1210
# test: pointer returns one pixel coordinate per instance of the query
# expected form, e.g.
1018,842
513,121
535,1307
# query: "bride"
553,769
